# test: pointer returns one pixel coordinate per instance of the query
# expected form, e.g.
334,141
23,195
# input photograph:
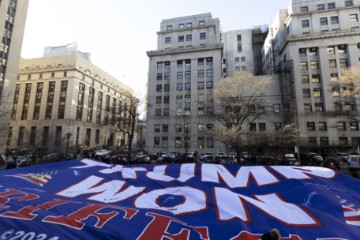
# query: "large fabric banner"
87,199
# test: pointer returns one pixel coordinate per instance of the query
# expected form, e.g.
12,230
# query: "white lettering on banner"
230,205
187,171
194,200
109,192
213,173
126,173
304,172
91,163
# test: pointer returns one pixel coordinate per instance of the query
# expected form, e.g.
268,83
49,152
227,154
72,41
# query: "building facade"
12,23
63,101
311,44
182,74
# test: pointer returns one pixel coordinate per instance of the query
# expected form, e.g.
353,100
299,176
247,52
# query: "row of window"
329,6
180,127
184,86
322,126
314,65
181,142
183,25
343,141
202,111
187,38
184,62
185,74
305,23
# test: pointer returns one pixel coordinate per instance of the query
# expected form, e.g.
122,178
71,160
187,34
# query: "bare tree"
126,118
345,91
236,103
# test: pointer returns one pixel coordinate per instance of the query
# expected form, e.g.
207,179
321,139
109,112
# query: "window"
332,63
167,40
331,50
322,126
156,142
187,63
201,85
178,127
202,36
334,20
201,62
277,126
333,77
349,3
209,72
316,78
179,86
179,75
343,62
181,38
341,126
209,84
314,65
167,76
355,141
303,66
169,27
179,112
158,99
237,59
343,141
342,48
310,126
166,111
159,88
201,111
187,112
320,7
165,128
179,63
242,59
189,25
201,74
179,99
166,99
276,108
354,125
302,52
252,127
262,127
324,141
305,79
187,98
188,37
158,112
187,75
159,76
317,92
157,128
354,18
201,23
251,108
187,86
307,107
304,9
306,93
305,23
323,21
331,5
201,127
165,142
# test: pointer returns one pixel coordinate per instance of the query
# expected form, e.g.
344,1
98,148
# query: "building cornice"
191,49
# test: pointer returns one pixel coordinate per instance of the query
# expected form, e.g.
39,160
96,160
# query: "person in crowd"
196,157
272,235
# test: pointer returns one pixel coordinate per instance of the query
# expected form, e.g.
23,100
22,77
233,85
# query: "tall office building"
63,101
182,74
309,46
12,23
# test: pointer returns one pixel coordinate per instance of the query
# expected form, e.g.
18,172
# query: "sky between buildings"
118,33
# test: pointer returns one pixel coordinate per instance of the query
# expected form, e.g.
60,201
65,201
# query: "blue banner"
87,199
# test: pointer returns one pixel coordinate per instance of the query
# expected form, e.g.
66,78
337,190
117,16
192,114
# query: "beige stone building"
182,74
309,45
12,23
64,101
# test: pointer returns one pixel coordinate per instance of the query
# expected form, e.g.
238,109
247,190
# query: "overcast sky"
118,33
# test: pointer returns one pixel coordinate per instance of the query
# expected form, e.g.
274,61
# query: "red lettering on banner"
27,213
75,220
157,229
4,196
